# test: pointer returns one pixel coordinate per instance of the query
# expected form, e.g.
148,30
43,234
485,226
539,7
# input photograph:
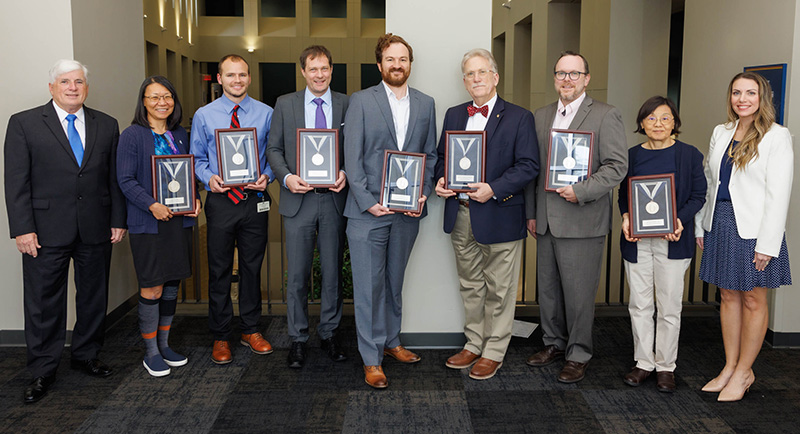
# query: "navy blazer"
134,174
512,161
690,193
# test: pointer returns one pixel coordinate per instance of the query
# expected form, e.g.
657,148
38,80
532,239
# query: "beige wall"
115,61
714,51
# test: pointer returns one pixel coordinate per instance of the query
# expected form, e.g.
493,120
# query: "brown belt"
464,203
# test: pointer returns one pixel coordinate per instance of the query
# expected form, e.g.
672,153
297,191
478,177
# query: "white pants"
654,270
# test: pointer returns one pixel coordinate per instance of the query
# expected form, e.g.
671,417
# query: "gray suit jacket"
591,216
289,115
370,131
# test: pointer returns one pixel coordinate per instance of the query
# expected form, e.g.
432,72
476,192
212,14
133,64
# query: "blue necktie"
74,139
320,122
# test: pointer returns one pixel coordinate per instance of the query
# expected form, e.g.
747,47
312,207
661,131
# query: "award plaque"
569,158
464,159
318,156
173,182
651,205
403,175
237,154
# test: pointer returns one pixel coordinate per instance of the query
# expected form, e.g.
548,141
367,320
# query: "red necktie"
471,110
235,194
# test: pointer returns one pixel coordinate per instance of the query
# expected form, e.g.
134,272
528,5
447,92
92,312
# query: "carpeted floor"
260,394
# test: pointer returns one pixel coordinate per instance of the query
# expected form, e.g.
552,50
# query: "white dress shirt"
561,120
80,122
400,112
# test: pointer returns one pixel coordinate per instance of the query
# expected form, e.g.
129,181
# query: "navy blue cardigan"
136,145
690,194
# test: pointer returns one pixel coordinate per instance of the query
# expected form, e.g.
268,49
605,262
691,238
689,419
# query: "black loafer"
93,367
297,355
333,350
37,389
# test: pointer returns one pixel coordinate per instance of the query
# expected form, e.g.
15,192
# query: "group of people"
74,187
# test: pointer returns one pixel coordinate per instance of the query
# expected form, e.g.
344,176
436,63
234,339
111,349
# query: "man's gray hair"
479,52
64,66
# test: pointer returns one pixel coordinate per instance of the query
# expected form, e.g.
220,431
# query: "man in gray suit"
389,116
310,214
570,224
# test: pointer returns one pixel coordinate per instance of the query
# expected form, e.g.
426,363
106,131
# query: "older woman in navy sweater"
161,243
656,266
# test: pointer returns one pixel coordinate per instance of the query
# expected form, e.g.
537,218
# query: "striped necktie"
235,194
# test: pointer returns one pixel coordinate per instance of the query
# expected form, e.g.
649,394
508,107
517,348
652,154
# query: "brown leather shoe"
665,381
375,377
572,372
636,377
545,357
484,369
257,343
221,353
401,354
464,359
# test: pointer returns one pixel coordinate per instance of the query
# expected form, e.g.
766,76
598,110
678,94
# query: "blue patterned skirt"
728,259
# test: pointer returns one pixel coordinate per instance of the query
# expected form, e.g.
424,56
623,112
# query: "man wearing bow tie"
487,225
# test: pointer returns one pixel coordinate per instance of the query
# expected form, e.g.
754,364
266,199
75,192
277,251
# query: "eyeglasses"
155,99
666,119
574,75
480,73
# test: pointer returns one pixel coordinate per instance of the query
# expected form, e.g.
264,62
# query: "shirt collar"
229,105
309,97
573,106
390,94
62,114
489,103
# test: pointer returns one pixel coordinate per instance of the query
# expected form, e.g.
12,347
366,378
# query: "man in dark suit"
63,204
389,116
487,225
570,224
310,214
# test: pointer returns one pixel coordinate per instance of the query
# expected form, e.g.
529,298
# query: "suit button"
80,197
80,175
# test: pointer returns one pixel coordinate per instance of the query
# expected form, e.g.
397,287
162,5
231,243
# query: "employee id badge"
263,204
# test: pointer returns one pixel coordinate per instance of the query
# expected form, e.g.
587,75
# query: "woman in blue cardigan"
160,243
656,266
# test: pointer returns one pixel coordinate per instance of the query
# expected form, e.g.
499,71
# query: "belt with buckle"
463,202
322,190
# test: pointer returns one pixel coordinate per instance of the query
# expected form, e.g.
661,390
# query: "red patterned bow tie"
471,110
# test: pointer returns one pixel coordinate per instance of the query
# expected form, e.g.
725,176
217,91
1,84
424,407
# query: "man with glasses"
487,225
571,223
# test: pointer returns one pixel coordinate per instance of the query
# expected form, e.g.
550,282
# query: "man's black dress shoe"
297,355
93,367
333,350
37,389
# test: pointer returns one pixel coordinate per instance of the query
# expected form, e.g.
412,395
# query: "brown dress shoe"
545,357
257,343
464,359
401,354
665,381
572,372
636,377
375,377
484,369
221,353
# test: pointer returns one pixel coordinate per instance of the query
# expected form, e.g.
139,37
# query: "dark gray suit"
570,240
380,246
313,216
72,209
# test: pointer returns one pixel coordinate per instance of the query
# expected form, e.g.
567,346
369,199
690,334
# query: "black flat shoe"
333,350
37,389
93,367
297,355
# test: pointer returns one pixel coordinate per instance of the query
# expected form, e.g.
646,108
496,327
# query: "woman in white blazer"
749,174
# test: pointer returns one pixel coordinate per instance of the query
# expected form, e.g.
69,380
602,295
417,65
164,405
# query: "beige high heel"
728,396
715,385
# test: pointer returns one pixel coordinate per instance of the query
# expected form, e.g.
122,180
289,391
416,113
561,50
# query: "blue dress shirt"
216,115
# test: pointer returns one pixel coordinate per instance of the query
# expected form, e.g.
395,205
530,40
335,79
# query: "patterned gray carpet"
260,394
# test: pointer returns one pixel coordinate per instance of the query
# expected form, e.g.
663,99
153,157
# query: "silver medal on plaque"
317,159
174,186
568,163
402,183
464,163
652,207
237,158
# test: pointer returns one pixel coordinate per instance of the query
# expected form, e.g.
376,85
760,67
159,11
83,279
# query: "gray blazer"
289,115
370,131
591,216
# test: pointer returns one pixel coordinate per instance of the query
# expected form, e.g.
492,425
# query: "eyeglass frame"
569,74
155,99
483,73
668,119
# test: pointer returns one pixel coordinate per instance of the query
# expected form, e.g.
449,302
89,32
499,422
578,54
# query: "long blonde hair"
763,119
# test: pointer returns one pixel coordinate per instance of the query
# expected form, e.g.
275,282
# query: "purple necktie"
320,121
